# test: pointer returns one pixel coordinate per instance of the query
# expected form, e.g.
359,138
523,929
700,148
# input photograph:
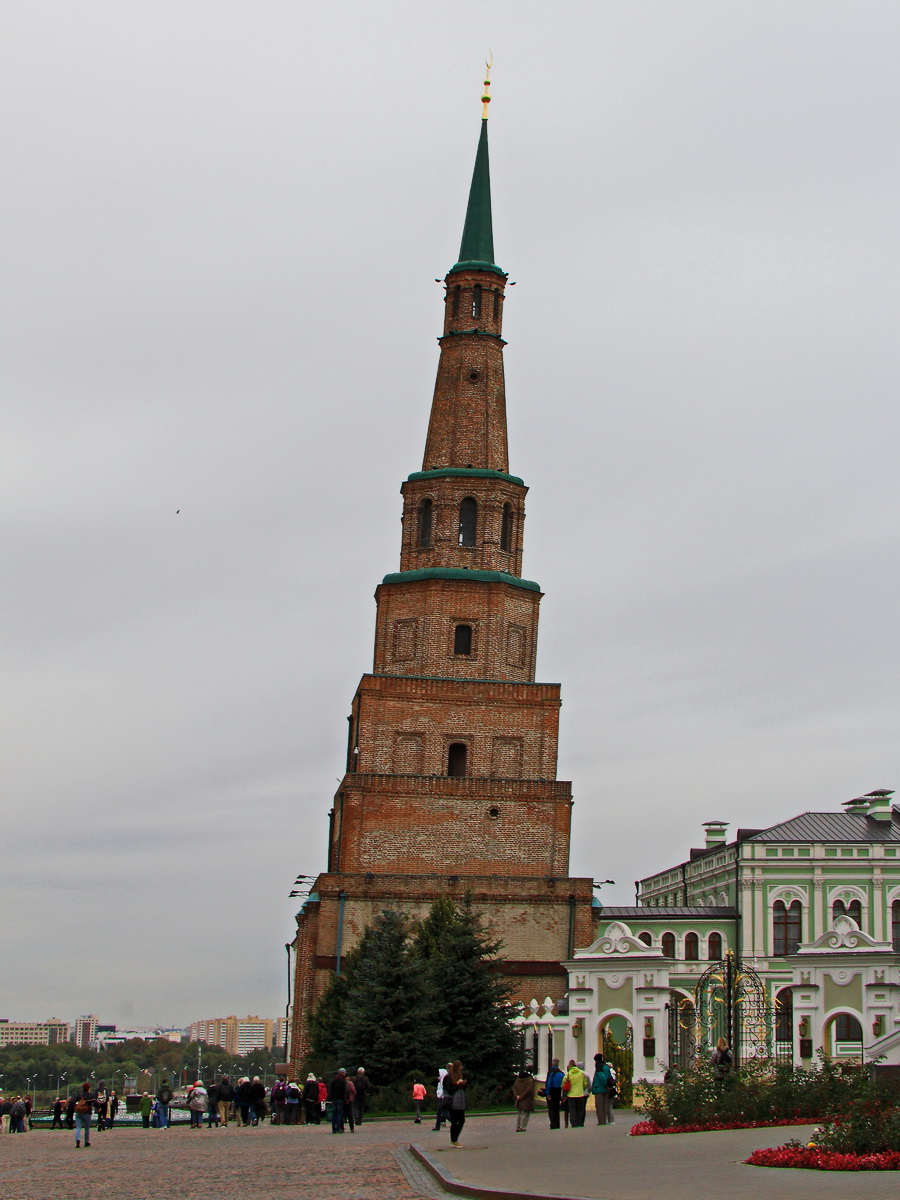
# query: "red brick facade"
451,761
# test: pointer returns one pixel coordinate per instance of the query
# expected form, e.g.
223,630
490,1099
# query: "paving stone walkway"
261,1163
375,1163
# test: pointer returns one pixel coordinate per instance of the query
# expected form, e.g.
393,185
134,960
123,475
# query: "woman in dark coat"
455,1088
311,1100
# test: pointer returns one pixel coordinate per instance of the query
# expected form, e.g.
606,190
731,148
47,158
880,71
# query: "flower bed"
812,1158
645,1128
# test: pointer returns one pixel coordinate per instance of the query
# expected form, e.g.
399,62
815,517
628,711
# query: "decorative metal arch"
731,1002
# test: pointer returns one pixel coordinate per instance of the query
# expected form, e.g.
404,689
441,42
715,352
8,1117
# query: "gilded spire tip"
486,99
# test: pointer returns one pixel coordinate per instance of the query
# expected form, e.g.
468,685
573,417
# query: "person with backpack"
197,1102
163,1103
722,1059
17,1116
553,1092
292,1103
602,1088
279,1096
576,1086
84,1110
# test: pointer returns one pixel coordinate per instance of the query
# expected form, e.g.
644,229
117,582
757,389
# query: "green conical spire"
477,248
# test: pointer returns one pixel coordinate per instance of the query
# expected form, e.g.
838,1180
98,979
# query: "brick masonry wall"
415,625
530,916
468,412
485,830
484,715
446,493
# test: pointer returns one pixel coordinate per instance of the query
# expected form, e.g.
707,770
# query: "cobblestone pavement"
262,1163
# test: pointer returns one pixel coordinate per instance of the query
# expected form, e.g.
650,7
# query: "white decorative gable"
618,939
843,935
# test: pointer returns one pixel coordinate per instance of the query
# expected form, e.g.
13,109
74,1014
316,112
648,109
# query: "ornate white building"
810,906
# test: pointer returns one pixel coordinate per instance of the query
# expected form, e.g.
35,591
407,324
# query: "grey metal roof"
648,913
832,827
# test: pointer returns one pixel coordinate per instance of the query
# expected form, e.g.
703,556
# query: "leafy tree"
469,1000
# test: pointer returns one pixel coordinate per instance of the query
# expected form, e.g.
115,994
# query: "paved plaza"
376,1163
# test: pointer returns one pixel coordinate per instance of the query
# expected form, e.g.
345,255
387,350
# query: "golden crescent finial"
486,99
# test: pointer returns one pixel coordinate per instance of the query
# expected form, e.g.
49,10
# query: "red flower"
813,1159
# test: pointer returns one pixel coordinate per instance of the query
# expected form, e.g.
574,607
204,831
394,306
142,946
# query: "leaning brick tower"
450,784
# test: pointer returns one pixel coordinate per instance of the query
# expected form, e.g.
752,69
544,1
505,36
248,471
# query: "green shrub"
758,1091
868,1125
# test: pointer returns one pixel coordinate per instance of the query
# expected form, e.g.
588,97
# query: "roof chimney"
715,833
880,804
875,804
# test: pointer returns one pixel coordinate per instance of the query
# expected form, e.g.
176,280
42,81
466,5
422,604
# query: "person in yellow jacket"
576,1087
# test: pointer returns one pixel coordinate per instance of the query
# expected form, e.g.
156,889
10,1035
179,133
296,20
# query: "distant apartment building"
237,1035
33,1033
281,1031
86,1030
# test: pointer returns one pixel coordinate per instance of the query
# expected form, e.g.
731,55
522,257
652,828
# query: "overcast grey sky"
221,224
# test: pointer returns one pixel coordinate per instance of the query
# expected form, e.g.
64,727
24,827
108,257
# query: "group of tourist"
15,1114
247,1102
567,1092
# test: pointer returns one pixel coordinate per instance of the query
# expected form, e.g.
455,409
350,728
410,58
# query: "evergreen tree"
469,1000
328,1019
376,1013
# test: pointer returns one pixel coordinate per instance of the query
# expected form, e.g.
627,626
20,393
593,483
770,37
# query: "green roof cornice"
461,574
476,252
469,472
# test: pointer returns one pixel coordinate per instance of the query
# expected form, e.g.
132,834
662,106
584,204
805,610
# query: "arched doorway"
615,1041
843,1037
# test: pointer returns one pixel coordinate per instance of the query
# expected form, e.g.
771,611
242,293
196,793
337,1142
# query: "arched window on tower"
852,910
786,927
462,639
468,521
715,947
476,300
506,528
498,300
454,303
668,945
691,947
426,520
456,758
